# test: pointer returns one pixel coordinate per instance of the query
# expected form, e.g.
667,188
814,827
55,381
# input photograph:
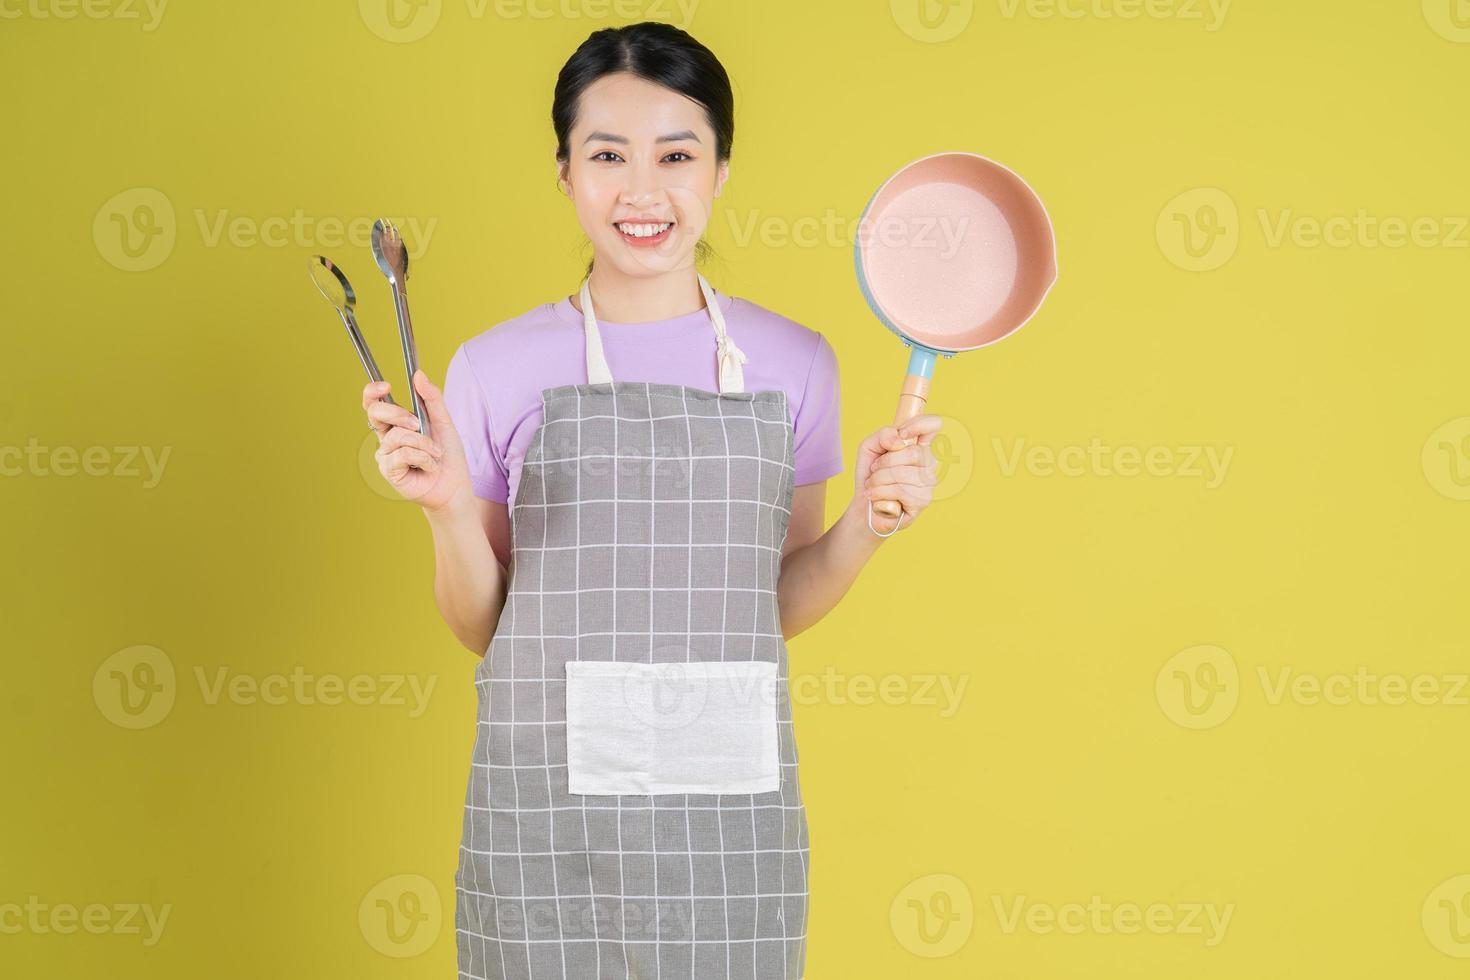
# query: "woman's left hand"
897,464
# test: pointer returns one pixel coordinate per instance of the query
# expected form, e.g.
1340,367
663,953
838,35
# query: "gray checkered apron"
606,833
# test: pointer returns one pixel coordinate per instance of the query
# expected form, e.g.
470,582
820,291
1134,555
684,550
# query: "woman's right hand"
429,470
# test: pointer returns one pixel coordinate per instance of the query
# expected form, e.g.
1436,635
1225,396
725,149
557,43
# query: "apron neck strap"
729,357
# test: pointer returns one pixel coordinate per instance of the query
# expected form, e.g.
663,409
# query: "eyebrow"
687,134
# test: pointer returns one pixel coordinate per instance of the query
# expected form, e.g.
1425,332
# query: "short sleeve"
469,409
818,422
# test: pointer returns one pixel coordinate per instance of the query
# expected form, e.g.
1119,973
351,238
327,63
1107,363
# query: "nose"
642,186
635,198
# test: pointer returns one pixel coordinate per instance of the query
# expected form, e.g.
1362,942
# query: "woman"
633,807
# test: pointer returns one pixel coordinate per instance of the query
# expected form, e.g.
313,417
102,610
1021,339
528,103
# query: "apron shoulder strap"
729,357
597,370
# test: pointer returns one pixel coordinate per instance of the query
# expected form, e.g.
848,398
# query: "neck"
628,299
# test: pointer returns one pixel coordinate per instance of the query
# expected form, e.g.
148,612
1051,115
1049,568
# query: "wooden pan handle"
912,398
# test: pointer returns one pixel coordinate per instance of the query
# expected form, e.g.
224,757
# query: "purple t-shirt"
493,385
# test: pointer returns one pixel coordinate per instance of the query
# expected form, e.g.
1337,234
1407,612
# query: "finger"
887,439
400,460
917,476
913,499
918,455
375,391
433,398
392,415
403,437
909,506
924,459
924,422
912,476
909,455
919,426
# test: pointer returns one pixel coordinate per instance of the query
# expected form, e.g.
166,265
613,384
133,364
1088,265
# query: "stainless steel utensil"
334,287
392,257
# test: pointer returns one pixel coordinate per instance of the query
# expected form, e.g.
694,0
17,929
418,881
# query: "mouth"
644,234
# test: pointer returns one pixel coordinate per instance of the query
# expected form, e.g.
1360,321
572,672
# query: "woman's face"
642,173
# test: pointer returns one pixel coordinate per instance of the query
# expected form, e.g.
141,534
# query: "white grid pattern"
537,862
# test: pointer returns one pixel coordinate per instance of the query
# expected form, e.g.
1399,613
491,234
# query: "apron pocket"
699,727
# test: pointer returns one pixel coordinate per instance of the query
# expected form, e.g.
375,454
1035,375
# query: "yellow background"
1073,609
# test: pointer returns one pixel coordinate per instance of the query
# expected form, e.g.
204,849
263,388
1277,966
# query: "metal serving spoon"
392,257
334,287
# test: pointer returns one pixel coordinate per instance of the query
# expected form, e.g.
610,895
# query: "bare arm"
818,568
470,535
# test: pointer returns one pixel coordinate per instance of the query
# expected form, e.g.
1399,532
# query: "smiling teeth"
644,231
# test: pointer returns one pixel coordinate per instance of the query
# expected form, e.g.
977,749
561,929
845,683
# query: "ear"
563,174
722,176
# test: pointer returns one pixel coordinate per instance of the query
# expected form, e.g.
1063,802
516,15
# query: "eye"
604,153
678,153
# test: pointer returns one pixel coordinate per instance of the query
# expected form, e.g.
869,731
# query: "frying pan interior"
955,252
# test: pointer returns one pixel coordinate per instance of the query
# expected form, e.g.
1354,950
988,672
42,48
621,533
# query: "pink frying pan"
953,253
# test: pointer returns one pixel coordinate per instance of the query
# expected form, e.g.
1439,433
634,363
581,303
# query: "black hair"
659,53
